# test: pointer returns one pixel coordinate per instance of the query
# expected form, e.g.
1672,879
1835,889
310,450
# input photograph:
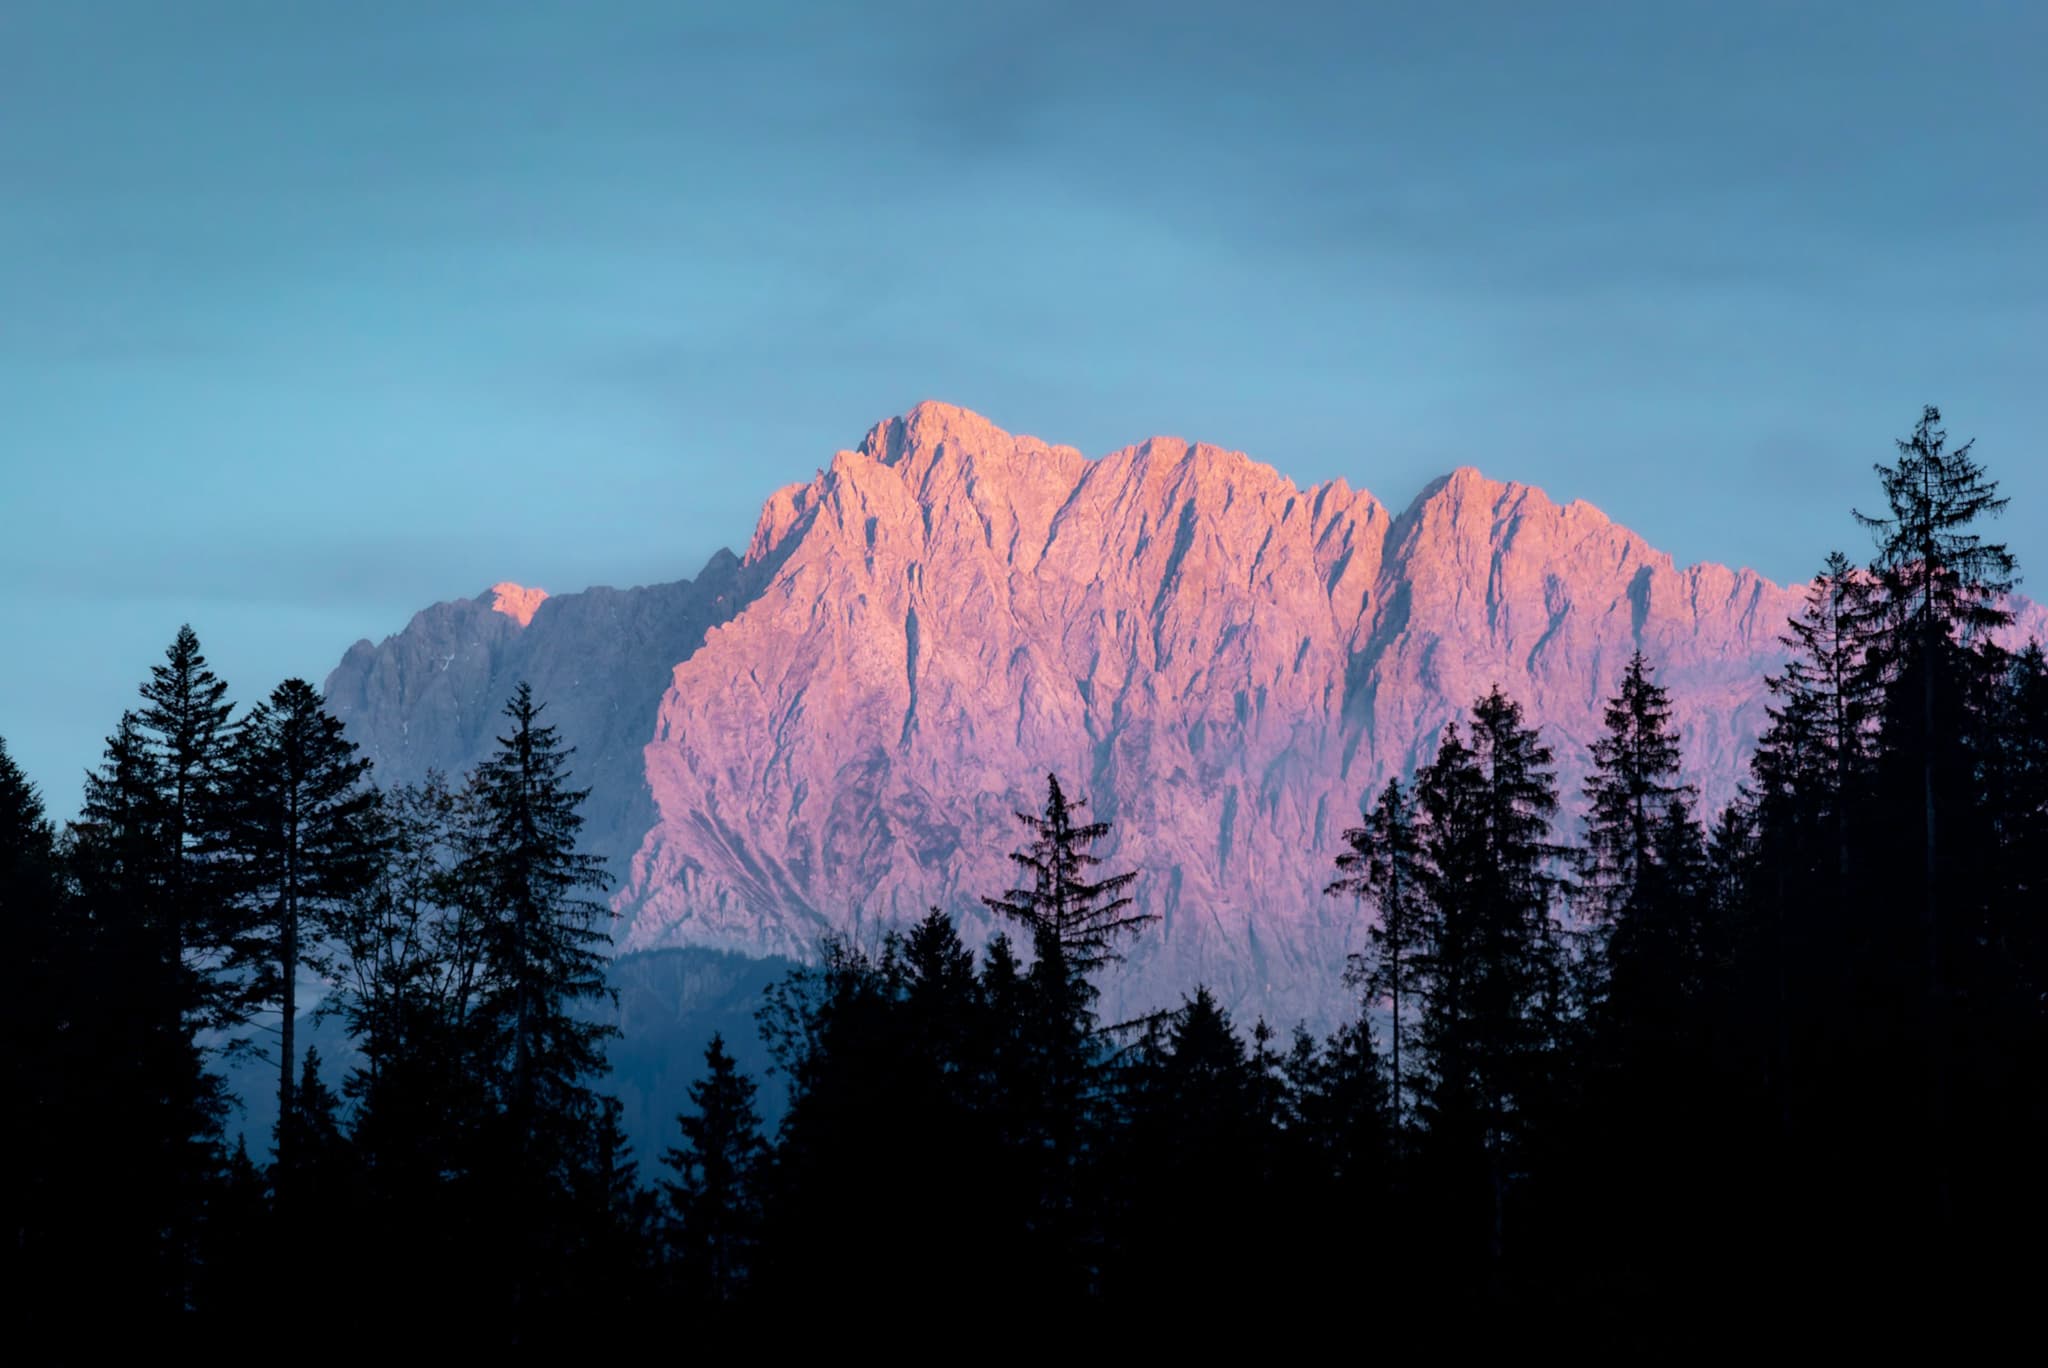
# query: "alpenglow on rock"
833,732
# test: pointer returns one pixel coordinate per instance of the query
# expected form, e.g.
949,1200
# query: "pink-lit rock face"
834,733
516,601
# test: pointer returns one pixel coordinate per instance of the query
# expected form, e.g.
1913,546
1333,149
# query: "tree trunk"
1397,1052
1930,930
288,1002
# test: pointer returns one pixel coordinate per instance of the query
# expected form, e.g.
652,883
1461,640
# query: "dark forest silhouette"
1669,1079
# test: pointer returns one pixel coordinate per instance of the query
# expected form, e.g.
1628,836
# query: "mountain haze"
833,731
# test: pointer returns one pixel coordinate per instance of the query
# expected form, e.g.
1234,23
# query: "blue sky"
312,314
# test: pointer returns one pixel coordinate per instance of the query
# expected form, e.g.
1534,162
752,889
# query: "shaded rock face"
431,697
835,731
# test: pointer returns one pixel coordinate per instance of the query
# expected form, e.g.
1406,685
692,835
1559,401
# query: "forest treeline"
1644,1074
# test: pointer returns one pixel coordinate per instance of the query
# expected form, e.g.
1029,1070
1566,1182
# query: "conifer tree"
185,724
1342,1108
1634,777
1640,874
1815,758
155,1111
410,972
542,943
299,841
1195,1141
240,1274
1944,589
1490,975
616,1246
1076,921
1383,867
313,1155
1067,913
2017,783
42,1003
1944,586
715,1198
1640,1076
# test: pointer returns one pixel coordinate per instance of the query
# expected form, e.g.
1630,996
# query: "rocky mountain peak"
516,601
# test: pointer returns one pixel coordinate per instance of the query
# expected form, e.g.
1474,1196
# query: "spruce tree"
185,723
1383,867
409,944
314,1160
2017,782
1802,850
542,949
715,1198
1640,876
1944,590
1814,760
155,1110
617,1235
1634,777
1488,1026
1076,921
409,977
1196,1145
241,1270
1078,918
299,841
1342,1110
43,1006
1641,1085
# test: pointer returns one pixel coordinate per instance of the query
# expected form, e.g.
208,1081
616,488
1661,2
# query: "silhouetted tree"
44,1006
1944,587
715,1198
1643,1088
542,950
1634,777
542,941
1195,1167
1076,921
1342,1110
1641,871
410,951
1814,761
1063,907
1490,977
185,725
155,1110
1383,867
315,1163
830,1240
299,842
410,971
240,1275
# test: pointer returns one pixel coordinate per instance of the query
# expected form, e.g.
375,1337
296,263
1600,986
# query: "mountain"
834,731
430,697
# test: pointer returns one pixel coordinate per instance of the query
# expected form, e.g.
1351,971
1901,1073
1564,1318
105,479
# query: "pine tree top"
1941,578
1070,914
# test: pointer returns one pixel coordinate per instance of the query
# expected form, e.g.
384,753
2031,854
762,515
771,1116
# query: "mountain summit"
834,732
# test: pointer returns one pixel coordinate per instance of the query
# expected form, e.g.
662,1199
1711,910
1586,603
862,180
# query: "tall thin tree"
299,842
1944,587
715,1197
1064,908
1382,866
543,938
185,721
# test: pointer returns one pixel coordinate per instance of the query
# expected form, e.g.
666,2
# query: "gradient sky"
312,314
